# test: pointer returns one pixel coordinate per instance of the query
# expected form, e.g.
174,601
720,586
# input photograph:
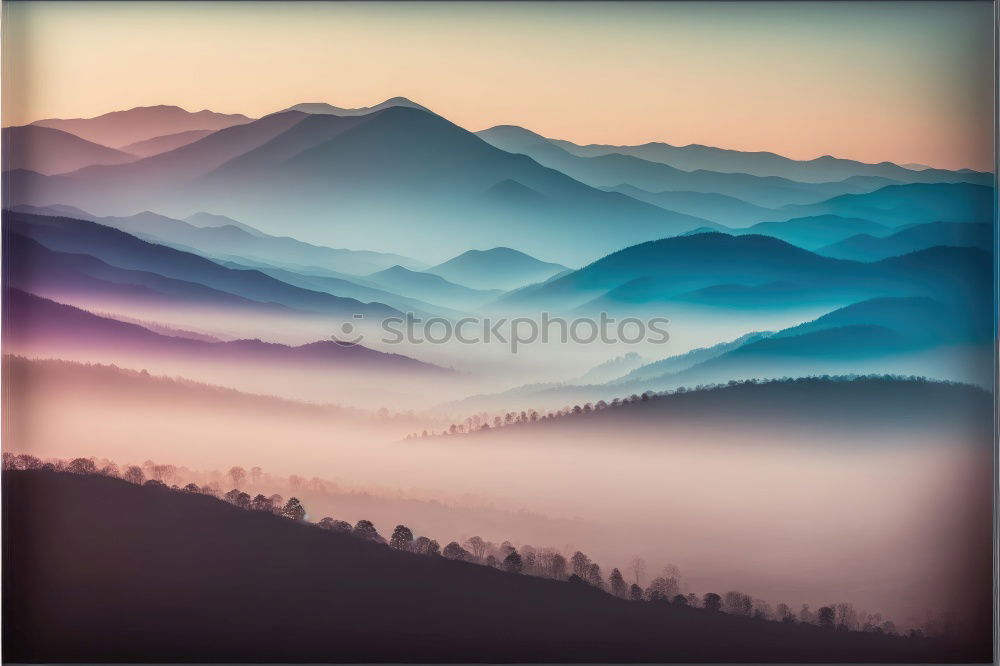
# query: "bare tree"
237,475
255,474
638,569
82,466
580,564
133,474
738,603
558,566
477,547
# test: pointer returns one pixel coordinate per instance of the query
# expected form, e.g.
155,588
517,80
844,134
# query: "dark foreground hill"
96,569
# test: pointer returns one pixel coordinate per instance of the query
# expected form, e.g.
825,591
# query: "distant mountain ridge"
120,128
328,109
694,157
31,321
125,251
865,247
497,268
51,151
384,167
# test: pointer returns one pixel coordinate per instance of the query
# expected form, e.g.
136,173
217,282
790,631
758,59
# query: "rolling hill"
223,238
865,247
821,169
814,232
50,151
247,586
120,128
497,268
614,169
899,205
35,323
720,269
125,251
165,143
431,288
409,179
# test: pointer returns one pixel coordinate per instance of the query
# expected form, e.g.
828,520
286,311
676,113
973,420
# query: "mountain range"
34,323
51,151
497,268
121,128
124,251
695,157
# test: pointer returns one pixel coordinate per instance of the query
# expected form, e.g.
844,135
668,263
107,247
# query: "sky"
909,82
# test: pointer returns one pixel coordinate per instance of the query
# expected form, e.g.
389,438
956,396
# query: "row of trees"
483,420
541,562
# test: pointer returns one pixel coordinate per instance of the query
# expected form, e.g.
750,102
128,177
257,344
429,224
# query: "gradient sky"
899,81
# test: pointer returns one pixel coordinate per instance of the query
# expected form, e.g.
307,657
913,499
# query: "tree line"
577,569
486,421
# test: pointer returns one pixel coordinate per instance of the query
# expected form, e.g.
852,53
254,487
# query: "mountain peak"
324,108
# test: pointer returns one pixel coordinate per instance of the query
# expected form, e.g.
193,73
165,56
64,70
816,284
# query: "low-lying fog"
893,523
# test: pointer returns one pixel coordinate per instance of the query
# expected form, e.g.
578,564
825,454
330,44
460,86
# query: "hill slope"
498,268
108,571
50,151
120,128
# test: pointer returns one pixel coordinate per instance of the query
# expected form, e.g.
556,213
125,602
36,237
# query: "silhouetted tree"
401,538
335,525
580,564
477,547
635,593
492,561
28,461
826,617
711,602
293,509
638,569
82,466
455,552
806,616
365,530
261,503
133,474
847,617
594,576
238,475
424,546
662,589
617,584
513,563
192,488
737,603
784,613
679,600
558,565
